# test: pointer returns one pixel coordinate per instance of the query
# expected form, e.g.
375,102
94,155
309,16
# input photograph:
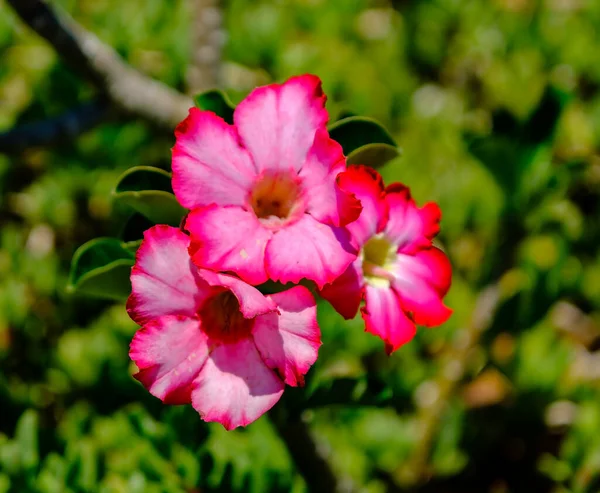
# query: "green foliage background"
497,107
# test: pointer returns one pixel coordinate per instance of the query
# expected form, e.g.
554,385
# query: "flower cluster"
271,199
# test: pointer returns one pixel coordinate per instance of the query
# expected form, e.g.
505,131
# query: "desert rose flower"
399,274
212,340
263,195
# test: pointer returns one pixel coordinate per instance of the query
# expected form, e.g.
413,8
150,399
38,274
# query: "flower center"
222,319
378,256
276,198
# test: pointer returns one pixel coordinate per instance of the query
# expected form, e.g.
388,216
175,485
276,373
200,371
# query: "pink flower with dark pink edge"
399,274
263,193
211,339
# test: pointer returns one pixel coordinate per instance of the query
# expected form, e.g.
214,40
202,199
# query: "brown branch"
127,88
63,127
416,470
207,42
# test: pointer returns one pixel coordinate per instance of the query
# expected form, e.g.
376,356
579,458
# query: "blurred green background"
496,104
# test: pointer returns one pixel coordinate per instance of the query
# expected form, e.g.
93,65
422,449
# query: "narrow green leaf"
132,246
140,178
88,465
348,391
216,101
26,435
148,191
373,155
101,268
358,131
4,483
542,124
134,227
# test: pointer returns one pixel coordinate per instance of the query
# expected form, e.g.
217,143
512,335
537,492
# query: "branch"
207,41
129,89
65,126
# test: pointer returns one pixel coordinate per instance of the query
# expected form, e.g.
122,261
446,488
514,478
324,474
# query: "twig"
207,41
416,470
62,127
127,88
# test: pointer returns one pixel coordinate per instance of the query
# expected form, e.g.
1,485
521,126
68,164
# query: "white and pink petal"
252,302
209,164
229,239
164,280
326,201
410,227
308,249
235,387
289,341
346,292
385,317
277,123
367,186
421,281
169,352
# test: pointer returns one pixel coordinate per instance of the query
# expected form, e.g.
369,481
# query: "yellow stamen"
378,256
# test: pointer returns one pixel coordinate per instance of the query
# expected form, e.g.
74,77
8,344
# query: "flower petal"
289,341
229,239
169,352
384,317
367,186
421,281
308,249
164,280
277,123
209,165
408,226
235,387
326,201
252,301
346,292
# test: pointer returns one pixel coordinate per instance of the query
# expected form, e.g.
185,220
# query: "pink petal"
421,281
252,301
164,281
209,165
229,239
309,249
346,292
408,226
326,201
384,317
235,387
277,123
289,342
169,351
367,186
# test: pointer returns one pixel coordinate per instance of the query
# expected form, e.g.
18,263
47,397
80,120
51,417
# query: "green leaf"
134,228
148,191
216,101
358,131
253,460
101,268
348,391
373,155
26,435
514,147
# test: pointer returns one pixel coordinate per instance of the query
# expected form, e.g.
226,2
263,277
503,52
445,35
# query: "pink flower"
213,340
399,274
263,192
